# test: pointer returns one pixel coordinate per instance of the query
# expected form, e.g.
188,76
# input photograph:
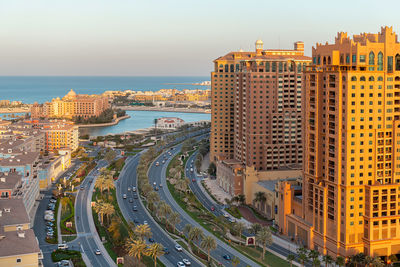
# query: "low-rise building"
169,123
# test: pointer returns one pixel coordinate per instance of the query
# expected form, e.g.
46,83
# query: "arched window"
371,61
267,66
226,68
285,67
232,68
353,78
324,61
341,59
292,66
299,67
329,60
237,67
362,78
319,60
371,78
273,66
380,61
397,62
344,78
380,78
397,78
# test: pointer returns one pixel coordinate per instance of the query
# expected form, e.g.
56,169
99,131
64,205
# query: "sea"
30,89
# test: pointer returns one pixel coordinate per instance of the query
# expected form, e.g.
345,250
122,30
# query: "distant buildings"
71,106
350,200
169,123
172,95
256,117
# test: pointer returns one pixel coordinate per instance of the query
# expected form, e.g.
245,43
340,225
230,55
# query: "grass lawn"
67,215
269,259
74,256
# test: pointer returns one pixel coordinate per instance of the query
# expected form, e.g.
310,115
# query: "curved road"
157,174
128,178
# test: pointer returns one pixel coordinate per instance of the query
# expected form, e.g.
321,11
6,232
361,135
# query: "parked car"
178,248
62,246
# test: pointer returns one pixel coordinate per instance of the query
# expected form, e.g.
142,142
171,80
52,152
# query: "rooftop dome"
71,93
259,42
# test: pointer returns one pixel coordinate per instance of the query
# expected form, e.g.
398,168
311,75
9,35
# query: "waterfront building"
351,184
71,106
169,123
256,115
18,243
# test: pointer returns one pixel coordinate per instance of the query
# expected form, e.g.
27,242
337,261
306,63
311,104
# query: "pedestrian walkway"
249,215
59,237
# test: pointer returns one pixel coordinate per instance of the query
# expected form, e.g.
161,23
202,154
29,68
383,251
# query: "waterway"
141,120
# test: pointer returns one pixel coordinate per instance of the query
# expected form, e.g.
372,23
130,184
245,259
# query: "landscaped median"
218,226
111,226
72,255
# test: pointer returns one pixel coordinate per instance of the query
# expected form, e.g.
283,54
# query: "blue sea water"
40,89
141,120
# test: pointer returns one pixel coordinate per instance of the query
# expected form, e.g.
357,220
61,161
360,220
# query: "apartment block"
351,183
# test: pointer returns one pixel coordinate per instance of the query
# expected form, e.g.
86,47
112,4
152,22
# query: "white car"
98,252
180,264
226,215
134,189
186,262
178,248
145,222
154,183
129,189
124,196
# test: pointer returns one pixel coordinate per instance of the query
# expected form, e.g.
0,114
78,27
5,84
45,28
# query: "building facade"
256,112
71,106
351,191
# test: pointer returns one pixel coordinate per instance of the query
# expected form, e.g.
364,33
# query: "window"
362,58
397,62
280,66
362,78
371,78
354,58
226,68
19,260
347,59
371,60
267,66
380,61
273,66
390,63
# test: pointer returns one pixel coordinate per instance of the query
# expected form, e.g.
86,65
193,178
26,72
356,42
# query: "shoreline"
116,121
14,110
181,110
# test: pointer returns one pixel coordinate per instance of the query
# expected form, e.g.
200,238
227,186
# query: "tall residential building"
70,106
351,184
256,113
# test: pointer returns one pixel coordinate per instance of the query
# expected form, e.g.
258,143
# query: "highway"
127,179
157,174
88,239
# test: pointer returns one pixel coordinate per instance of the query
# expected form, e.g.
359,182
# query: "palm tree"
314,255
290,258
208,243
260,198
303,255
195,234
155,250
146,189
368,260
108,184
136,248
235,261
164,210
241,199
181,185
153,197
187,228
377,262
99,209
174,219
100,183
255,228
239,226
327,259
358,259
108,210
264,237
340,261
392,258
142,231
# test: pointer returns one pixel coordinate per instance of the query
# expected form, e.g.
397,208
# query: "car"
135,196
133,188
130,200
134,208
62,246
212,208
178,248
226,215
124,196
193,180
166,250
53,200
169,153
186,262
151,240
180,264
135,221
160,185
157,163
227,257
231,220
156,188
98,252
129,189
145,222
154,183
191,169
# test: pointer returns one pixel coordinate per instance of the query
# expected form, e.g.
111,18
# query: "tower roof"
71,93
259,42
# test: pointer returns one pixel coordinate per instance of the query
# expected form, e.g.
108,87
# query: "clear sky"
168,37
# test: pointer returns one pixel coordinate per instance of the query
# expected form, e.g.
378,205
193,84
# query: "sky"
167,37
